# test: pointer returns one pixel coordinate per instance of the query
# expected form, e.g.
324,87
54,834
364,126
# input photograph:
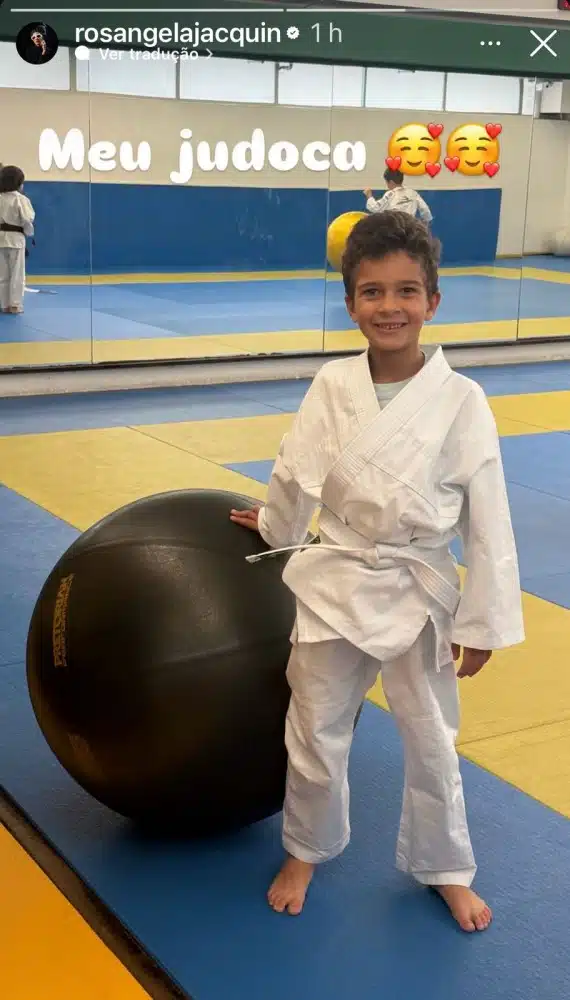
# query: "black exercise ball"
156,664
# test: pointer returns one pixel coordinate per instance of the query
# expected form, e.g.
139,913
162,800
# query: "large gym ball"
337,235
156,665
560,243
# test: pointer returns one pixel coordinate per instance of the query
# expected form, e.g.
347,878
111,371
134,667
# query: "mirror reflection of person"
37,51
16,222
398,197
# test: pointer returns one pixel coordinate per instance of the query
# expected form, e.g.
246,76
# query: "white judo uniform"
395,480
403,200
16,211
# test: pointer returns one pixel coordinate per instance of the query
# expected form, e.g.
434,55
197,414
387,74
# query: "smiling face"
473,147
415,147
391,302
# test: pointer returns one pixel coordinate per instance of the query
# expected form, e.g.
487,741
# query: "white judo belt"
428,578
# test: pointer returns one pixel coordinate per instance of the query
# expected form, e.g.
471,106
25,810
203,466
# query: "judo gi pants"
12,276
328,682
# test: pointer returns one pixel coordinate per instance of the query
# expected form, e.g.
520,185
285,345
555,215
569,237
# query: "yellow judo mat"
516,713
106,318
104,453
48,952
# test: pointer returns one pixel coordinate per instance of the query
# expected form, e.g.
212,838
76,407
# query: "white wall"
548,203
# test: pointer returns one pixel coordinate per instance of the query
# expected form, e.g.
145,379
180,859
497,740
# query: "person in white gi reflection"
401,454
398,197
16,222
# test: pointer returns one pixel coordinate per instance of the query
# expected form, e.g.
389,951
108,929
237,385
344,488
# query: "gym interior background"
130,267
233,262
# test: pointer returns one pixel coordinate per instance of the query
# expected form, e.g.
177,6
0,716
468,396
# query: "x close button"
543,43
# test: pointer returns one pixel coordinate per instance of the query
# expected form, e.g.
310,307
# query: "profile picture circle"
37,43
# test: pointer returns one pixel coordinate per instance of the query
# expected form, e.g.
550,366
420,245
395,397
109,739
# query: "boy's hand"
246,518
473,660
367,192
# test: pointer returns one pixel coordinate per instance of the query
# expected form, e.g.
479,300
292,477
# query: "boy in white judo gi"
401,454
16,222
398,197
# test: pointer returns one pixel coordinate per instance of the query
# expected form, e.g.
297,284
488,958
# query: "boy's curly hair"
11,179
383,233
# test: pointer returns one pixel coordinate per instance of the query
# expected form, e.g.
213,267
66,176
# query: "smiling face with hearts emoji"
414,146
474,150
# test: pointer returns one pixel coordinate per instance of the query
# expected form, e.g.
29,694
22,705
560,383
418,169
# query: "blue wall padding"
117,228
466,220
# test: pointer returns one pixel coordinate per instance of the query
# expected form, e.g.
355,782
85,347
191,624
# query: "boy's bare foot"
470,911
289,889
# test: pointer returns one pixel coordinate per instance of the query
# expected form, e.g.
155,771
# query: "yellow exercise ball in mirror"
337,235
